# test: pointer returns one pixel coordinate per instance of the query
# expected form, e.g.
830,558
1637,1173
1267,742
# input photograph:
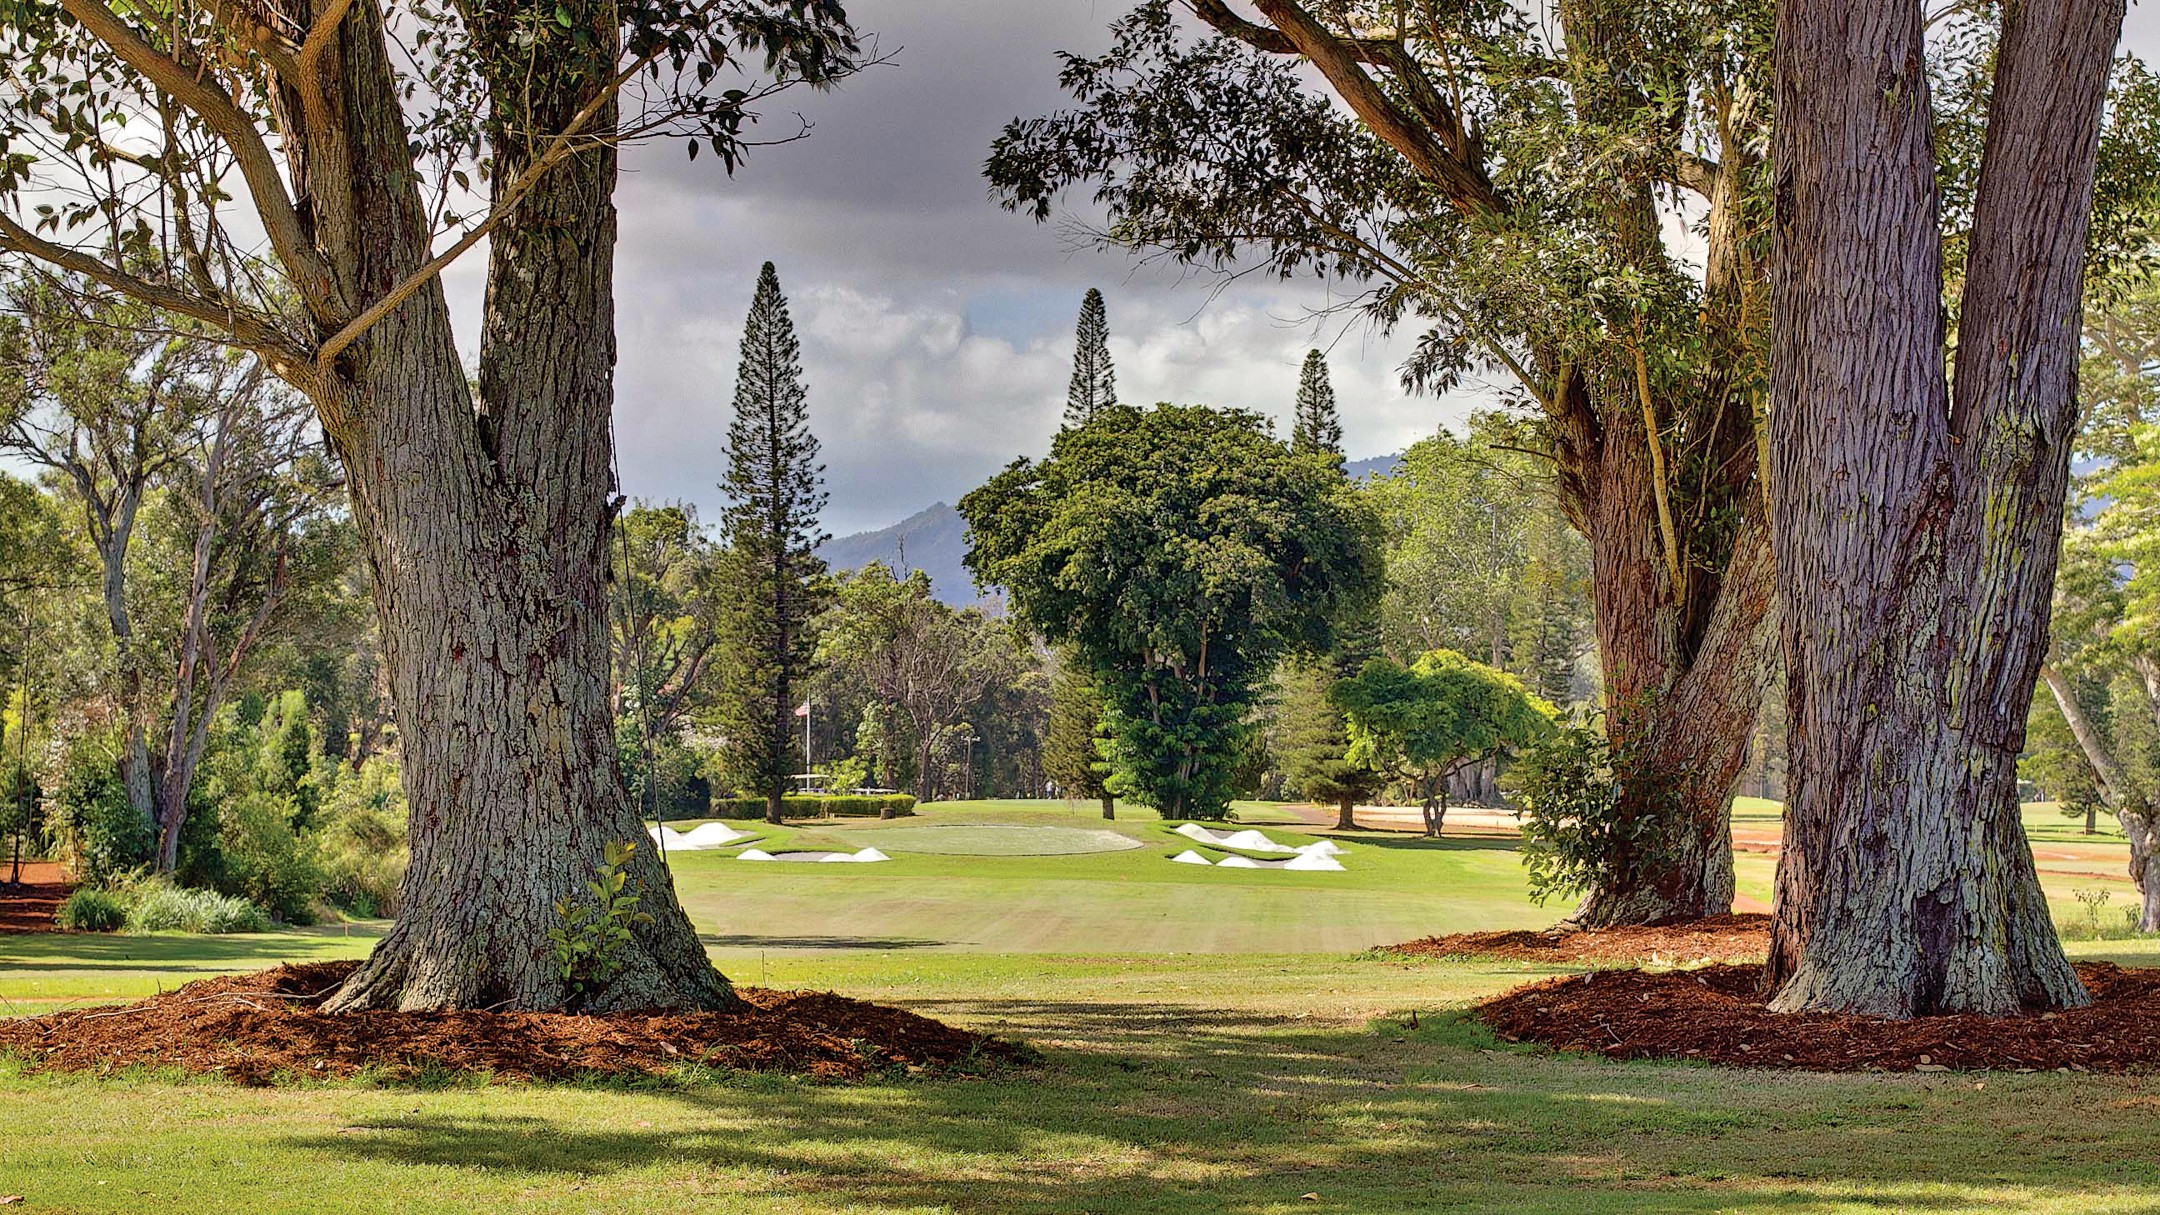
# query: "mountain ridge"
934,540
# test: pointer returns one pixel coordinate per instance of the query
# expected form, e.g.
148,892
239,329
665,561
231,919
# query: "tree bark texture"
1917,530
486,529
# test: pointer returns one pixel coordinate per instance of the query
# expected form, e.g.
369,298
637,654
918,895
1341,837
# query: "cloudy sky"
936,328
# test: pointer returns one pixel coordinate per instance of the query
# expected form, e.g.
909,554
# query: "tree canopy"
1180,551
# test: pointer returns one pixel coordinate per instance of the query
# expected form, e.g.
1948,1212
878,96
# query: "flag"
803,709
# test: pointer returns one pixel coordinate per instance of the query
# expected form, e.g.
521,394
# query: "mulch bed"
1723,938
29,907
1715,1014
254,1027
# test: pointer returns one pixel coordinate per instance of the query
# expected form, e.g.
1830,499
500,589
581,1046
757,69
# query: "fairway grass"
1233,1054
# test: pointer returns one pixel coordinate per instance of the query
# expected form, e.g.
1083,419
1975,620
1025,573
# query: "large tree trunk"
1346,814
486,531
1917,534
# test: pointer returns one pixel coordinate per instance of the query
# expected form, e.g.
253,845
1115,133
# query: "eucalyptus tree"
1500,182
2103,670
198,483
1178,552
1918,498
372,144
665,612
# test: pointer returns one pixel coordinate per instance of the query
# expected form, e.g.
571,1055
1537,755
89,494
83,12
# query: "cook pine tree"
1094,382
1317,426
775,488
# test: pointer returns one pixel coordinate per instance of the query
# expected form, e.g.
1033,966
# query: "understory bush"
812,805
155,906
360,844
1575,835
92,909
101,836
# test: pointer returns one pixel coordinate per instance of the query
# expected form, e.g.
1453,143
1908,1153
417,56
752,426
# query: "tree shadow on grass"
1147,1107
178,953
751,941
1446,843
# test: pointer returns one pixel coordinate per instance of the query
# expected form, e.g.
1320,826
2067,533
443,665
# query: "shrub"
103,836
266,860
1575,834
159,907
92,909
360,844
810,805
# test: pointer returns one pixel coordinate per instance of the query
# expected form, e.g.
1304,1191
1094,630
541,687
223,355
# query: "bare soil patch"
254,1027
29,907
1743,937
1716,1015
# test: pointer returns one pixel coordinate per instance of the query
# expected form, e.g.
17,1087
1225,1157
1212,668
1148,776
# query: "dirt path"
29,907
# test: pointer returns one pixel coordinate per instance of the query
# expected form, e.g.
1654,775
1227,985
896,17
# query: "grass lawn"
1213,1043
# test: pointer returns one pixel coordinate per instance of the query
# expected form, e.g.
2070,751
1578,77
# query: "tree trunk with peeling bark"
1917,530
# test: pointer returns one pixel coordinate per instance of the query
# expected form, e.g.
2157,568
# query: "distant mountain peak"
934,540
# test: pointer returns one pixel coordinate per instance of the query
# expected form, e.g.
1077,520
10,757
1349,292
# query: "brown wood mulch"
255,1027
29,906
1716,1014
1743,937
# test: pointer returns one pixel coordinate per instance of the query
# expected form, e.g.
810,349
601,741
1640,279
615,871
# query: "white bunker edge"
702,838
865,857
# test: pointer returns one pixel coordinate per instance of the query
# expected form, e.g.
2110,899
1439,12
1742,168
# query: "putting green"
992,839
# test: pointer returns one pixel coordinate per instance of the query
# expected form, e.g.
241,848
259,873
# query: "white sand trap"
1241,862
1247,840
1313,861
1322,848
865,857
698,839
1189,857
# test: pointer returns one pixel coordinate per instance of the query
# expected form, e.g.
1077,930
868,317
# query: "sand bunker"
1309,862
701,838
864,857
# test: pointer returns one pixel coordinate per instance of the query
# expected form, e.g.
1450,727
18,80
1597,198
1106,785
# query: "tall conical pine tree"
1317,427
1094,384
775,488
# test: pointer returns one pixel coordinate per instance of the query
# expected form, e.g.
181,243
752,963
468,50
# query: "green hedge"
800,805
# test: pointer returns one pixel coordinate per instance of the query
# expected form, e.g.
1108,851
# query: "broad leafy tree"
1179,552
1499,182
2099,717
370,145
928,669
775,582
1424,722
1919,497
